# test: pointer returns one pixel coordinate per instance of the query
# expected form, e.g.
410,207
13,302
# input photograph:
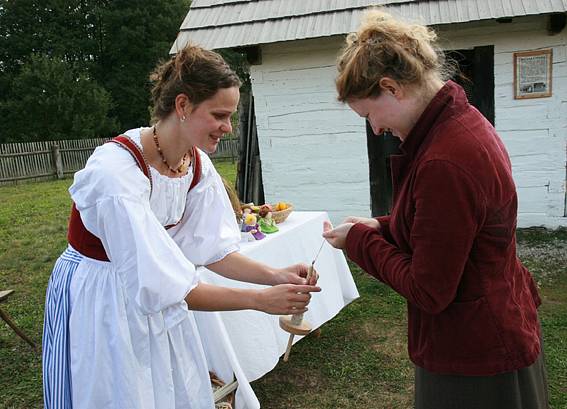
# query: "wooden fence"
227,149
33,161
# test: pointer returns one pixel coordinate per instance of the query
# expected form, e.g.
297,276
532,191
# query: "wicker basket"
280,215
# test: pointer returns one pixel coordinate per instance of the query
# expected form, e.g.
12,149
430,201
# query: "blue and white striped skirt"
56,360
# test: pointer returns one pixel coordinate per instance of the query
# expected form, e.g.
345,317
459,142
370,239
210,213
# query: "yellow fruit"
281,206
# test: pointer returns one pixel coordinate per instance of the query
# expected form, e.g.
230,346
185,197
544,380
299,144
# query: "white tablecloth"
250,343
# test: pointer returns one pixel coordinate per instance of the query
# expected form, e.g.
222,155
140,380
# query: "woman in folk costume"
448,246
117,330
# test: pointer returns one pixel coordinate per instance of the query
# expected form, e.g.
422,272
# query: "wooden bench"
3,295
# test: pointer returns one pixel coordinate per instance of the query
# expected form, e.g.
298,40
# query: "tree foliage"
81,64
50,100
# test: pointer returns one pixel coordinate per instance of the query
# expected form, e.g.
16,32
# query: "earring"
182,119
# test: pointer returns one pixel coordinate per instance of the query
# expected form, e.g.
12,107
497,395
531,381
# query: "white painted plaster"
313,148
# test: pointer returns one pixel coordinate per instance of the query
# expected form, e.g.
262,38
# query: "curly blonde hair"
385,46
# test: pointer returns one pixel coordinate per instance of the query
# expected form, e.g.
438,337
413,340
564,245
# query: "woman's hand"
373,223
294,274
280,299
285,299
337,236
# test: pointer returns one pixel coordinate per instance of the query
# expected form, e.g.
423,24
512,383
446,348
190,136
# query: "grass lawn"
360,360
227,169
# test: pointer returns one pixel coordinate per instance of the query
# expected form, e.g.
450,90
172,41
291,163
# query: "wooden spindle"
295,324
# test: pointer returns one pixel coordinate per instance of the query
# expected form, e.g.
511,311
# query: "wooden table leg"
6,318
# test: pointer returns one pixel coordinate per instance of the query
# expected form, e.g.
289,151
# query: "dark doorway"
249,185
476,76
380,147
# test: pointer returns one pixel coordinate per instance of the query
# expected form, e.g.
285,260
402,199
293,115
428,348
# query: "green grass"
545,254
359,361
227,169
33,219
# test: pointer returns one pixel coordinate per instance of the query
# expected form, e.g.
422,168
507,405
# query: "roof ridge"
371,3
227,3
298,15
260,23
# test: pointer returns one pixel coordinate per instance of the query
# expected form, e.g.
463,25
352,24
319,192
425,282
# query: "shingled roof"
235,23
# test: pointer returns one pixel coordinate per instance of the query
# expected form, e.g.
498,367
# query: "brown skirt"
525,388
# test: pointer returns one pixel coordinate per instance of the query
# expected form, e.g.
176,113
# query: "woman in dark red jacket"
449,244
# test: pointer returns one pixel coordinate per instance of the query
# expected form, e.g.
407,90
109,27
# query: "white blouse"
113,198
148,265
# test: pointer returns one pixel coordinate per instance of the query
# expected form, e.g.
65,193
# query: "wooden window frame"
525,94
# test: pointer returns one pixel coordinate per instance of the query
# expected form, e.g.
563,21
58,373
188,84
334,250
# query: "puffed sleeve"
208,230
111,195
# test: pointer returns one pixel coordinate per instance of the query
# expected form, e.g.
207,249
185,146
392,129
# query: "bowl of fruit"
281,211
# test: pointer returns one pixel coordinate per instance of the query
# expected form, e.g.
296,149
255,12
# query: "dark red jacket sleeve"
449,208
385,227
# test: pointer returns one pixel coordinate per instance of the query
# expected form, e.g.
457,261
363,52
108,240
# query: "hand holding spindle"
294,324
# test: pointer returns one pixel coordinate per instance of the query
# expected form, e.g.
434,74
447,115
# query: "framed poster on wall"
532,74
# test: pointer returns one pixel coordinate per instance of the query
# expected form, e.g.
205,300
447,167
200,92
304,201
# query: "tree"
133,38
62,28
109,44
51,101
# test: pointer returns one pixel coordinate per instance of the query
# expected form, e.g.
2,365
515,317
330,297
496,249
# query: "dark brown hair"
193,71
384,46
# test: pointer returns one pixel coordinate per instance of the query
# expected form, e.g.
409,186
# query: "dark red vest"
87,243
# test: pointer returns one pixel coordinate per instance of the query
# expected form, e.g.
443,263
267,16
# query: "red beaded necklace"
182,168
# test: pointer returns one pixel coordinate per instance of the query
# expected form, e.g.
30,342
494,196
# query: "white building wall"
313,149
534,130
